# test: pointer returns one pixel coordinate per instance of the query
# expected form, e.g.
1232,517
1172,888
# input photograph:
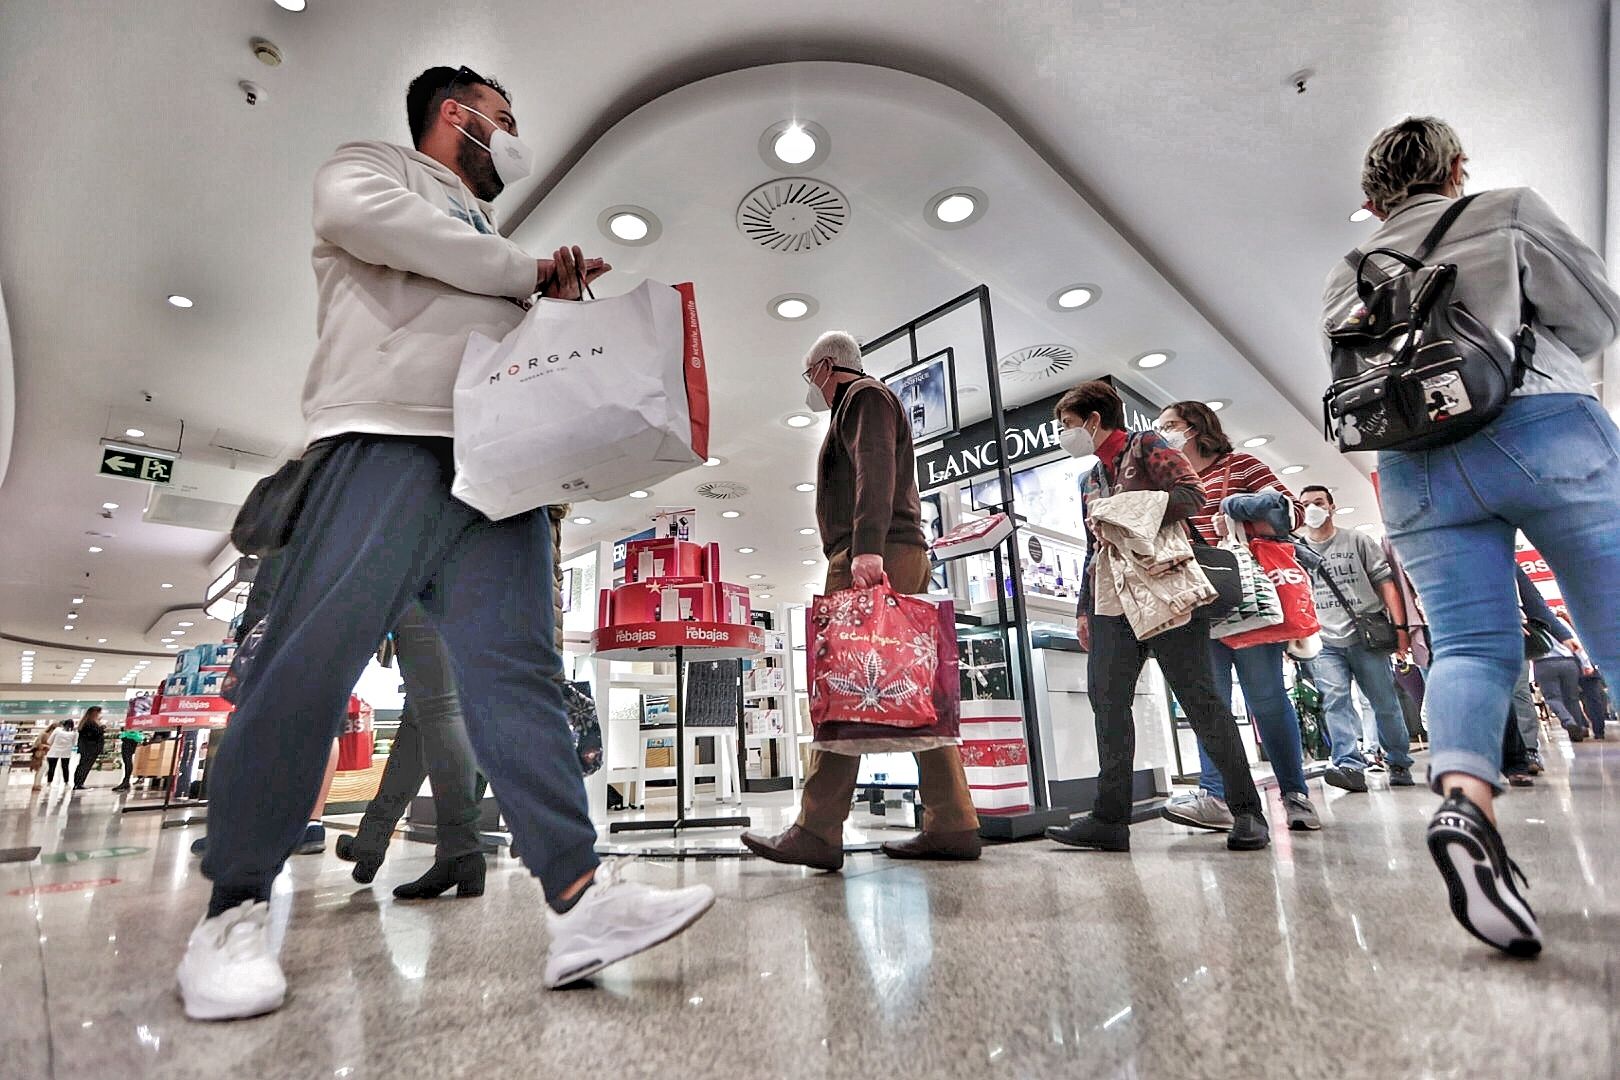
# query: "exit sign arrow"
153,468
121,465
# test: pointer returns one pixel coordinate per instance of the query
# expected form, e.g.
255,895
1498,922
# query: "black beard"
479,168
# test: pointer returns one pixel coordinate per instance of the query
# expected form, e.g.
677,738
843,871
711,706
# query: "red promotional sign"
64,886
645,641
1534,565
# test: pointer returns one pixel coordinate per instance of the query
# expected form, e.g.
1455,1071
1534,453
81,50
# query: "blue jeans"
1372,671
1260,673
1549,465
378,533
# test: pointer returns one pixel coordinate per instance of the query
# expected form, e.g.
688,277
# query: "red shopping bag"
873,659
357,739
1277,559
697,375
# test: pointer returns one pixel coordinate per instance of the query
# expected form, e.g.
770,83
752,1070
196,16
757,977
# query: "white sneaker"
230,970
617,919
1201,810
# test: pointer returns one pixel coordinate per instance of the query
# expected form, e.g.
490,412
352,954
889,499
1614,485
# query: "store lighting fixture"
135,433
72,615
732,514
178,633
69,626
583,521
795,145
1292,470
713,463
809,562
799,420
95,551
640,494
807,532
634,226
101,641
804,488
78,599
1149,361
756,577
291,5
175,299
764,596
1073,297
745,551
791,307
1256,442
1343,511
956,208
186,625
168,640
109,506
171,646
628,226
227,593
1360,214
1217,404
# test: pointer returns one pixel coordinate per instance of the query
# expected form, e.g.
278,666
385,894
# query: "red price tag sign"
1534,565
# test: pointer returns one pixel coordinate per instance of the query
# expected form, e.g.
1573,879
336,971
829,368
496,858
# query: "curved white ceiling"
692,156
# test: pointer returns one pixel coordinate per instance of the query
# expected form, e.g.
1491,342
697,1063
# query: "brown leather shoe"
961,846
796,847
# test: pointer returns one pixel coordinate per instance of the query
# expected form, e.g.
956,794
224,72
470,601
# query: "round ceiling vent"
791,215
722,489
1037,362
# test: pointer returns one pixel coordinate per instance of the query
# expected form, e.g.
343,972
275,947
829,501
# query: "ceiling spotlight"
799,420
1217,404
101,641
628,226
640,494
1073,297
28,652
72,615
713,463
807,532
167,585
1343,510
732,514
1360,214
956,208
812,585
187,625
1256,442
175,299
745,551
167,640
109,506
803,488
791,307
764,596
171,646
69,626
95,551
795,145
178,633
1292,470
635,226
1149,361
756,577
809,562
78,599
582,521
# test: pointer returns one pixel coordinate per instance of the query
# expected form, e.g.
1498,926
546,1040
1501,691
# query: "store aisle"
1330,952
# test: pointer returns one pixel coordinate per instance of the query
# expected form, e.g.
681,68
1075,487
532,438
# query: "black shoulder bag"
1376,631
1412,367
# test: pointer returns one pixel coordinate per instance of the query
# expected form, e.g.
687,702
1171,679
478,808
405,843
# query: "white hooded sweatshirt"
407,264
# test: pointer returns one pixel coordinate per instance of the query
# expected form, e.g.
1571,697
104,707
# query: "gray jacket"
1507,245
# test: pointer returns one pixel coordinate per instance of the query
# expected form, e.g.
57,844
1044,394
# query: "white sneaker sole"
203,1007
582,964
1480,903
1171,814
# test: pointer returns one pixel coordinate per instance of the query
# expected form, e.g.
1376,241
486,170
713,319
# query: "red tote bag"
1281,565
873,659
697,373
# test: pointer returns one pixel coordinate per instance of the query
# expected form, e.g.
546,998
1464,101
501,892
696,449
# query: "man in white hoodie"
408,262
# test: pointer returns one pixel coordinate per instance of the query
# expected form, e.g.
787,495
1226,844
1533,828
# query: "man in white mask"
408,262
1360,594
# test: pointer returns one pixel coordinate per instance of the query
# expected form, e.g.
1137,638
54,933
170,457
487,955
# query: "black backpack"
1412,367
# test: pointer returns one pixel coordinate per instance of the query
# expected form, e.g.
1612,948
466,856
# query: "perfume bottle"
919,412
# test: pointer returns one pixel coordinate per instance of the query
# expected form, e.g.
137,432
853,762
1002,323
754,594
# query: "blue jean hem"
1442,762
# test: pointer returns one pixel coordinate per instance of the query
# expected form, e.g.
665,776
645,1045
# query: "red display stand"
674,641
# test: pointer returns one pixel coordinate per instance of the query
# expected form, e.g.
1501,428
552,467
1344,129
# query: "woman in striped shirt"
1197,430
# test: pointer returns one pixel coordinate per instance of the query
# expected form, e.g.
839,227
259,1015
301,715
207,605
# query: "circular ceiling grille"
795,214
1037,362
722,489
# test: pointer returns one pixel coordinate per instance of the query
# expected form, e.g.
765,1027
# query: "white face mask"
1316,516
1078,442
512,156
1176,439
815,400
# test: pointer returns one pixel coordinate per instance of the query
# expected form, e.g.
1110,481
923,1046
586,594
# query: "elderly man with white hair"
871,526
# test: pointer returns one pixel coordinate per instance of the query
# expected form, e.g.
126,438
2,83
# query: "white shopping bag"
583,400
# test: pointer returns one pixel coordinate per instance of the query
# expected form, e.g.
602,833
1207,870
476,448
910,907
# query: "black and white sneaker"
1479,875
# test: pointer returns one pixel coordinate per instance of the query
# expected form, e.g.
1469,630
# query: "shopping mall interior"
999,201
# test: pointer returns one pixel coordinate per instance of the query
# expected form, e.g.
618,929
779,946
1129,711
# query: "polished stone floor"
1330,955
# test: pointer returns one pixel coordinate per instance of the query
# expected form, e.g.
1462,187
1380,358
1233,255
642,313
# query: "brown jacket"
866,495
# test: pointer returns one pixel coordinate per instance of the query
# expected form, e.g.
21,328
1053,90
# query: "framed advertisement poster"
927,393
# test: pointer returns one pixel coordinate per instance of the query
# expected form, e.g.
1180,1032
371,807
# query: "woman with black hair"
92,740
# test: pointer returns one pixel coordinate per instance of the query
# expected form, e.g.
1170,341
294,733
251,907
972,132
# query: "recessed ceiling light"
167,585
1073,297
188,625
109,506
812,584
955,208
713,463
1360,214
764,596
745,551
28,652
171,646
795,145
807,532
633,226
582,521
72,615
1217,404
640,494
69,626
732,514
1256,442
803,488
175,299
78,599
1149,361
756,577
791,307
178,633
167,640
1292,470
799,420
101,641
809,562
135,433
1343,510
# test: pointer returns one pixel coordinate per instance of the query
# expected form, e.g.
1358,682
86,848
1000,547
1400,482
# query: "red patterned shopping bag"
1294,591
873,659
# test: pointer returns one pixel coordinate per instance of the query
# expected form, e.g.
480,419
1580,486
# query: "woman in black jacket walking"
92,740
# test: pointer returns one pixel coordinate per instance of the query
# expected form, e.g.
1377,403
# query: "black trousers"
1595,696
1515,754
89,751
1560,680
126,747
50,769
1184,657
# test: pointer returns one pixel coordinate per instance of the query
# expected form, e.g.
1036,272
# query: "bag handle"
1364,288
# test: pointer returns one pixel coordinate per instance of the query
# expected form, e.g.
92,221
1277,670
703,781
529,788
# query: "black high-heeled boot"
466,873
366,863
